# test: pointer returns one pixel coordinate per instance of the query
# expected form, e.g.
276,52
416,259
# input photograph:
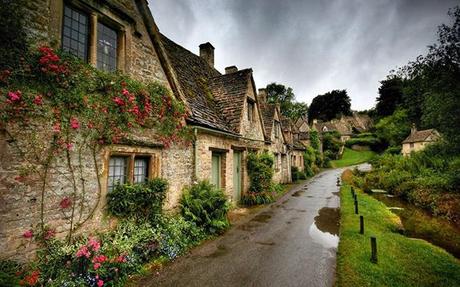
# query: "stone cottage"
418,140
112,36
275,137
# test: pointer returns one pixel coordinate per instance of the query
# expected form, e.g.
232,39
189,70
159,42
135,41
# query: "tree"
330,105
393,129
432,92
278,93
390,96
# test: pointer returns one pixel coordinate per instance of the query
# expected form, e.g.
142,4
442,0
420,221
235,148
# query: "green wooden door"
236,176
216,170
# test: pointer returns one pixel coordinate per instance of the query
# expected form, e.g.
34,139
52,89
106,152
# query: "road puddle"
298,193
325,229
263,217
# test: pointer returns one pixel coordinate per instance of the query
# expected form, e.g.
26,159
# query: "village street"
292,242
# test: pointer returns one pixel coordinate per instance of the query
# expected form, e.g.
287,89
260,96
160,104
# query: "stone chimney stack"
262,96
207,53
231,69
413,130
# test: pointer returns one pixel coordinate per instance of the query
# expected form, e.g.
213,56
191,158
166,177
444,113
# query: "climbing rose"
38,100
31,279
83,252
121,259
69,146
50,234
14,96
118,101
100,283
65,203
94,244
57,128
28,234
96,266
99,259
74,123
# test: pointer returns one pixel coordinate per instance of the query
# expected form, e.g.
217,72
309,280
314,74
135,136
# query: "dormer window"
250,111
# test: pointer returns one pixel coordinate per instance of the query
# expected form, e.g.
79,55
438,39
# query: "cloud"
311,46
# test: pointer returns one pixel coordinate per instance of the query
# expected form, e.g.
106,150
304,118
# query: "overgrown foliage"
278,93
392,130
329,106
332,146
260,171
139,201
206,206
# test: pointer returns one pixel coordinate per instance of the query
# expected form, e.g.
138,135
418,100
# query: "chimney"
207,53
315,121
262,96
413,130
231,69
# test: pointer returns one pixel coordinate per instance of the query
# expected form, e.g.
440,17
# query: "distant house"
418,140
346,126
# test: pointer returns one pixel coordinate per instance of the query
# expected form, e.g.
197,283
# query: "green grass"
352,157
402,261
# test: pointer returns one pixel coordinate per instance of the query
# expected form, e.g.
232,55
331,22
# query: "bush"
137,200
206,206
8,270
331,145
252,198
260,171
393,150
374,143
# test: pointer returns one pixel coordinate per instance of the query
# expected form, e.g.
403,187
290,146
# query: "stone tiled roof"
298,145
196,77
286,123
268,115
229,91
421,136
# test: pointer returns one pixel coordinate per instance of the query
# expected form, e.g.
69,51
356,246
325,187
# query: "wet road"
292,242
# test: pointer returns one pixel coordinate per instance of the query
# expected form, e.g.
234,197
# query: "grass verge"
352,157
402,261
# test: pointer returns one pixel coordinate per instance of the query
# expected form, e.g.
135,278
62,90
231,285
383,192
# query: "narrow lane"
292,242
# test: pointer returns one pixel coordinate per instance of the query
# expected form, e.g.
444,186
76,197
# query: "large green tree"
331,105
278,93
390,96
432,83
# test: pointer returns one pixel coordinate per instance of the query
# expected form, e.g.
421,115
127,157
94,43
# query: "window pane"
141,169
117,171
75,33
106,48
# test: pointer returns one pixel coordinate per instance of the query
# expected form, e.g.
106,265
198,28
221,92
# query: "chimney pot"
207,53
231,69
413,129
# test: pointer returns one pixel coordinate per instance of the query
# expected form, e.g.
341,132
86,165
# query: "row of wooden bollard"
361,228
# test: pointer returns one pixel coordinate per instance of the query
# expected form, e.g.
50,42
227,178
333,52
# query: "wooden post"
353,192
356,206
374,250
361,224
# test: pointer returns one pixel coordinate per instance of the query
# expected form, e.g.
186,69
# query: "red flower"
28,234
121,259
14,96
100,259
50,234
31,279
69,146
74,124
65,203
38,100
100,283
57,128
96,266
83,252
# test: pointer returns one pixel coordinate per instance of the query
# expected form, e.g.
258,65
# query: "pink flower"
28,234
118,101
50,234
125,92
83,252
94,244
57,128
14,96
99,259
96,266
65,203
74,123
121,259
100,283
38,100
69,146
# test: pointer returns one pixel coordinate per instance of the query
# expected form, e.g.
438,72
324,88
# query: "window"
118,167
250,111
106,48
141,169
411,145
131,168
276,161
75,33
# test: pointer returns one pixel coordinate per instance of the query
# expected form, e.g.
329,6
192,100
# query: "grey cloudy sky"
311,46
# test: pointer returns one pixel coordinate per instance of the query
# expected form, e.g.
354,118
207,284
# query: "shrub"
331,145
252,198
393,150
373,143
137,200
260,170
8,270
206,206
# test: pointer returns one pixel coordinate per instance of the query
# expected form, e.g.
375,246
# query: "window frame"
109,26
152,166
251,109
88,30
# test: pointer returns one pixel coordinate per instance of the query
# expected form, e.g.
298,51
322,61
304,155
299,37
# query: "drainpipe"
195,154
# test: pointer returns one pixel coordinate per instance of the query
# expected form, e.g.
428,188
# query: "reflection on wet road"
292,242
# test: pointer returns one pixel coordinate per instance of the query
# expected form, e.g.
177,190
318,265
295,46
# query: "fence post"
373,249
353,192
361,224
356,206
